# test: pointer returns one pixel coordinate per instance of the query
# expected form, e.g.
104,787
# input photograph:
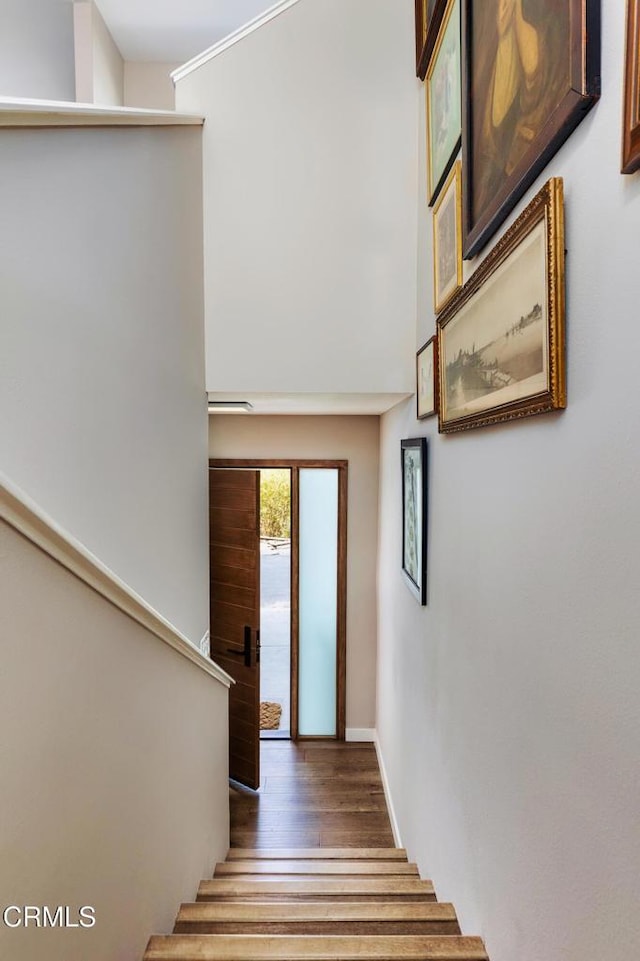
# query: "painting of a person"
520,56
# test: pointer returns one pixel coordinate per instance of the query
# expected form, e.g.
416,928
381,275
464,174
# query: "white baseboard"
387,794
360,734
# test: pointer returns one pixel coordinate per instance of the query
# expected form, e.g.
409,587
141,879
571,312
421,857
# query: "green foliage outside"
275,503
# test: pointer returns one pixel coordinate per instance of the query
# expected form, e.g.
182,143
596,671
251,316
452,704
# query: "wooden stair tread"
329,887
323,854
233,947
314,867
317,918
316,911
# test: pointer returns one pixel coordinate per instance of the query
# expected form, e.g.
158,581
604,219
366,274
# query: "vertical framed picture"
444,104
531,73
447,240
502,337
414,516
631,119
429,15
427,379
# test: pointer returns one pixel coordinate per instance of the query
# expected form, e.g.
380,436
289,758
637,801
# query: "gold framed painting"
427,379
447,240
531,74
502,336
429,15
443,89
631,120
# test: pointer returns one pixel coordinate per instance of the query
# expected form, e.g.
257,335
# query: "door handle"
246,652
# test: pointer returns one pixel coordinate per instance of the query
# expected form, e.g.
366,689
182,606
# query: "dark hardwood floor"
313,794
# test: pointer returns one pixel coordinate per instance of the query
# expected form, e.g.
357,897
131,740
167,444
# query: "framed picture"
414,516
444,104
427,379
447,240
631,122
501,339
531,73
429,15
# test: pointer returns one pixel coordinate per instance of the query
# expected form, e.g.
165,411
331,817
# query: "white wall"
101,366
99,64
330,438
114,766
36,49
149,85
508,708
310,216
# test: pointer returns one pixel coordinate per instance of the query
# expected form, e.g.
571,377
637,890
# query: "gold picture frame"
447,240
427,379
502,336
443,92
631,121
429,15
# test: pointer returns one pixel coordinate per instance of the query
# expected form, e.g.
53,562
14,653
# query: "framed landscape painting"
427,379
531,73
631,121
444,103
414,516
502,339
429,15
447,240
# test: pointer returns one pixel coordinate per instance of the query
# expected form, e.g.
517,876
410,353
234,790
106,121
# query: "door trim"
294,465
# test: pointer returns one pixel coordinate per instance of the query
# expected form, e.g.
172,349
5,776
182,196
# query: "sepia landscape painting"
494,351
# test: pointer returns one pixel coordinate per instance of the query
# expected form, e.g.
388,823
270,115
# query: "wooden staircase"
318,903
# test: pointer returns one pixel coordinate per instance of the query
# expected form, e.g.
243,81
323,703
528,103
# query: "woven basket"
270,714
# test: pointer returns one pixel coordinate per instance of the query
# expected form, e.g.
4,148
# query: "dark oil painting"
524,93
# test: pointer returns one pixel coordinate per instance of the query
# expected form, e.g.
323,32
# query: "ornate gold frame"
547,207
631,121
455,178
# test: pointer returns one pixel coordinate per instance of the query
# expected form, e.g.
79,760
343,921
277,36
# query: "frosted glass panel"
318,602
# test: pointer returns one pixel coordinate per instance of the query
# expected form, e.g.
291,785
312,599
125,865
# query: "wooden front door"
234,546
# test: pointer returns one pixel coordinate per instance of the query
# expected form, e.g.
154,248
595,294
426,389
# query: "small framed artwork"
429,15
531,74
447,240
427,379
502,336
414,516
444,105
631,122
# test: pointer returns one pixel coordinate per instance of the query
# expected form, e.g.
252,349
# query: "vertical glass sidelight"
318,602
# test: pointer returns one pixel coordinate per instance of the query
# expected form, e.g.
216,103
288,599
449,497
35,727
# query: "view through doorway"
275,603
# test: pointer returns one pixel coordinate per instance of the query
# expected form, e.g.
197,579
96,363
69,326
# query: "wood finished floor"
313,794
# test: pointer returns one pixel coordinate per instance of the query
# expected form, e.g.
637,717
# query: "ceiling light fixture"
230,407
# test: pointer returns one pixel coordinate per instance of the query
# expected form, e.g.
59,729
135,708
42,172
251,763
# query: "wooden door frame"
294,465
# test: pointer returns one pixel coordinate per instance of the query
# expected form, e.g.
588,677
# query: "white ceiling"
321,404
174,31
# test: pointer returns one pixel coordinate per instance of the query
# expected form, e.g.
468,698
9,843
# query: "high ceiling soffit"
174,31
